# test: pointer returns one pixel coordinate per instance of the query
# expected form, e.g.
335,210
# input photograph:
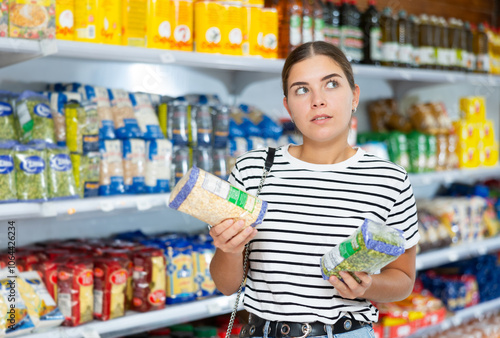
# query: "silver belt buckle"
306,330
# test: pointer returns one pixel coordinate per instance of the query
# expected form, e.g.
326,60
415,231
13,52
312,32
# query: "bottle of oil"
290,20
307,21
463,54
389,39
335,24
471,60
356,33
404,40
443,47
415,37
480,48
319,21
426,43
436,39
454,44
372,46
327,17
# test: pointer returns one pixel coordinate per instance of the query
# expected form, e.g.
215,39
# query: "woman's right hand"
230,237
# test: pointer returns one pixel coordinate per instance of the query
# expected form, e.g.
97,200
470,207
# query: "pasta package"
212,200
371,247
39,300
35,117
134,163
18,320
158,163
146,116
32,19
111,169
58,102
126,125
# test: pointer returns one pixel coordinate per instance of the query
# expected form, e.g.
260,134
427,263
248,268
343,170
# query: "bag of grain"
212,200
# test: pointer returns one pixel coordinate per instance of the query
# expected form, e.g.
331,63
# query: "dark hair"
310,49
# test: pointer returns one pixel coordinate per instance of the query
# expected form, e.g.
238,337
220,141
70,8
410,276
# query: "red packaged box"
48,272
75,284
110,284
148,280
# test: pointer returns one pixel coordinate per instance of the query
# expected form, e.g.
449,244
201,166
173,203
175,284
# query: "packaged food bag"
86,169
58,102
111,168
158,166
371,247
8,124
35,117
212,200
126,125
8,191
18,320
134,163
146,116
61,181
82,124
31,173
181,286
100,97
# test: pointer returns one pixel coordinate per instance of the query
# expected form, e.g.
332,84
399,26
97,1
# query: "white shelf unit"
108,66
25,210
460,317
134,322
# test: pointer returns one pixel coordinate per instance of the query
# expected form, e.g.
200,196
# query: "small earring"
354,109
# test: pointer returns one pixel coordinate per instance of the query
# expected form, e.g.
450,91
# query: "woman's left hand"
348,287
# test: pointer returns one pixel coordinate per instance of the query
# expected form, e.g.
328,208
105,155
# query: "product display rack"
241,72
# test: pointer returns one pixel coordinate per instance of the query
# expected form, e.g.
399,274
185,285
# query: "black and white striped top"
312,208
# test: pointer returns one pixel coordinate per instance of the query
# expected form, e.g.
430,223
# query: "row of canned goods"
195,125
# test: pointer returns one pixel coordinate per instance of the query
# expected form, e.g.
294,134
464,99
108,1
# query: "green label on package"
231,194
348,248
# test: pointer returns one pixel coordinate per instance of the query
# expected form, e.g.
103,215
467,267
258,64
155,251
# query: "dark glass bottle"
415,40
389,39
480,48
426,43
404,40
372,46
471,60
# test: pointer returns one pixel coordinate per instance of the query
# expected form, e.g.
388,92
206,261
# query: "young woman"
318,194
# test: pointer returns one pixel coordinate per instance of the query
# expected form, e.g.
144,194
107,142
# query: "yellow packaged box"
182,20
473,108
109,22
208,26
232,29
159,24
487,133
65,29
32,19
251,28
86,20
467,133
269,27
468,157
134,21
4,22
489,155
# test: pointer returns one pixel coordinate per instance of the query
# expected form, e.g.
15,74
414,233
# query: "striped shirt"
312,208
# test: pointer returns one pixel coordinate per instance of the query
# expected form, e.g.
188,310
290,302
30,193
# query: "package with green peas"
8,192
31,173
371,247
35,117
8,124
60,179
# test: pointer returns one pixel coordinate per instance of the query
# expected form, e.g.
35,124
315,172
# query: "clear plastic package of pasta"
371,247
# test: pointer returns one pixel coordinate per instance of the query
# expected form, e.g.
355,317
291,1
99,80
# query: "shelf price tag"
453,256
167,57
218,306
143,204
106,206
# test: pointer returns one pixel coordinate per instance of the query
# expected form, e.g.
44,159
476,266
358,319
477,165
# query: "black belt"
255,328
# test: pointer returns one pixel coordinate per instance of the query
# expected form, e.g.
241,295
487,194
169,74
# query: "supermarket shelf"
460,317
450,176
134,322
76,206
435,258
91,51
14,51
18,50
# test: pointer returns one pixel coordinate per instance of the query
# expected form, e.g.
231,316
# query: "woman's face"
320,100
